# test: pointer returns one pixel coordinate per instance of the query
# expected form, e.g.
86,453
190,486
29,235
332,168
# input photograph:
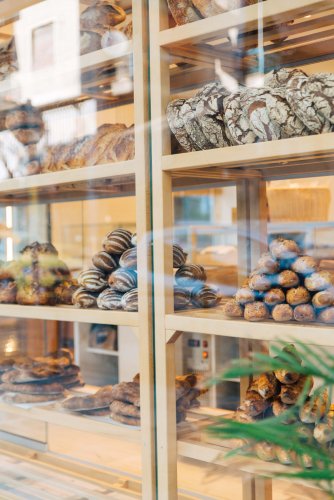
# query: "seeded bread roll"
245,295
323,433
233,310
181,298
327,315
84,299
123,280
183,11
205,296
274,296
267,264
104,262
290,393
129,300
268,385
282,313
304,313
305,265
265,451
319,281
323,299
284,249
260,282
116,242
92,280
128,259
297,296
288,279
256,311
190,275
110,299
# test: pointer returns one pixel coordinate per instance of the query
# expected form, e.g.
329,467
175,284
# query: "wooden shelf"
213,322
104,352
69,313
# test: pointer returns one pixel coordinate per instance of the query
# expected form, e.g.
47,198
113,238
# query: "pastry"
129,300
245,295
323,299
282,313
33,295
29,135
179,256
24,116
177,126
125,420
274,296
92,280
205,296
190,275
327,315
61,358
17,398
280,77
126,409
34,389
109,299
116,242
257,311
305,265
8,291
304,313
267,264
290,393
267,385
288,279
105,262
102,149
321,89
233,310
123,280
128,259
254,104
64,292
181,298
84,299
319,281
236,119
265,451
101,15
183,11
260,282
296,296
89,42
284,249
127,392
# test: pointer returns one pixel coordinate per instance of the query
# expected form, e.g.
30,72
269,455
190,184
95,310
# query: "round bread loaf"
208,8
282,313
317,282
104,262
205,296
179,256
130,300
304,313
323,299
102,15
327,315
176,125
109,299
280,77
260,282
189,275
92,280
267,264
116,242
181,298
183,11
297,296
233,310
284,249
274,296
245,295
288,279
305,265
236,119
129,259
321,89
188,115
89,42
281,114
123,280
84,299
257,311
254,103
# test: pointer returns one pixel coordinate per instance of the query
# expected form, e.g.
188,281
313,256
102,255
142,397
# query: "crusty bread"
125,409
125,420
101,15
13,398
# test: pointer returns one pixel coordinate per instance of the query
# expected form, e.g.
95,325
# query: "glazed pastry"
117,241
254,404
285,457
317,282
109,299
304,313
290,393
245,295
305,265
267,264
123,280
179,256
128,259
8,292
102,15
128,392
104,262
274,296
314,409
84,299
190,275
265,451
323,299
296,296
181,298
284,249
327,315
183,11
129,300
257,311
288,279
92,280
205,296
268,385
260,282
282,313
233,310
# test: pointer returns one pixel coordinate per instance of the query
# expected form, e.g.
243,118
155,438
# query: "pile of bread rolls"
41,379
285,286
275,393
290,104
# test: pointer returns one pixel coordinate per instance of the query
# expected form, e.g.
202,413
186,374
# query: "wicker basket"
298,204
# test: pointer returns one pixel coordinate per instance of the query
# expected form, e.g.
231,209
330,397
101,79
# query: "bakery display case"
241,105
75,218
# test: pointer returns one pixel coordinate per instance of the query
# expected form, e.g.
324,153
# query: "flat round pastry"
297,296
62,358
288,279
317,282
205,296
179,256
105,262
305,265
92,280
189,275
181,298
284,249
101,15
233,310
116,242
129,301
17,398
176,125
183,11
282,313
210,114
236,120
302,104
323,299
280,77
84,299
267,264
123,280
89,42
260,282
281,114
245,295
128,259
327,315
321,89
109,299
188,114
34,389
208,8
304,313
254,104
274,296
257,311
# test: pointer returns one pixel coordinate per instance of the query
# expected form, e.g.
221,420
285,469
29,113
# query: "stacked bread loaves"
188,11
276,393
40,379
291,104
285,286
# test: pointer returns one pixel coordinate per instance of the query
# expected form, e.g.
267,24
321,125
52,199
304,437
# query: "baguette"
268,385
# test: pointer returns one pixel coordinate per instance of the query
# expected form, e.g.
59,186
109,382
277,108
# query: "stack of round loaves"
285,286
276,394
111,282
290,104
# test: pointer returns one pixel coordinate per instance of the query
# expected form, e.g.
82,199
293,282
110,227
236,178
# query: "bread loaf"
92,280
305,265
237,120
105,262
257,311
181,298
117,241
254,404
323,299
265,451
267,385
304,313
176,125
84,299
254,103
290,393
296,296
179,256
317,282
281,114
260,282
101,15
188,115
128,259
321,89
205,296
183,11
284,249
127,392
123,280
233,310
129,301
288,279
125,409
190,275
122,419
245,295
274,296
109,299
